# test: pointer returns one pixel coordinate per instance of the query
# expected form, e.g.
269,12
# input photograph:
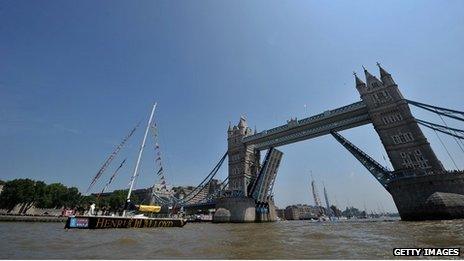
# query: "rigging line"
459,142
434,107
443,144
440,130
161,170
111,157
111,178
438,112
161,140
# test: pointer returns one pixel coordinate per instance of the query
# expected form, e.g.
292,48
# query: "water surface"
279,240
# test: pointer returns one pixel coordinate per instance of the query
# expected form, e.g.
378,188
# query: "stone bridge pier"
244,166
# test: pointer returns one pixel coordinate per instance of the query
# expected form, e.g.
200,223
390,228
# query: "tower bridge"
346,117
419,184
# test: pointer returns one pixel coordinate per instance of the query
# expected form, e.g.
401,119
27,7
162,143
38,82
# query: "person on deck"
92,209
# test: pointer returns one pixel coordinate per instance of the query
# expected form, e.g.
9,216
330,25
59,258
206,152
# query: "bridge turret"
229,130
406,145
243,160
371,80
386,77
360,85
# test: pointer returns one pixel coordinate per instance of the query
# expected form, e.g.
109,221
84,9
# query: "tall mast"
134,175
329,210
317,201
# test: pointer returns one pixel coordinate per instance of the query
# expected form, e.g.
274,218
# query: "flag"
159,158
160,171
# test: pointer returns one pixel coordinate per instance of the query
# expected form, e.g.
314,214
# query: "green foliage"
17,191
27,193
85,202
116,200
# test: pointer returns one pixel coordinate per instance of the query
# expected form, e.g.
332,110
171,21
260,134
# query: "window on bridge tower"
391,117
414,160
402,138
407,162
421,160
381,97
409,137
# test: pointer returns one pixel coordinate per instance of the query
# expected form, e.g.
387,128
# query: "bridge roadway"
339,119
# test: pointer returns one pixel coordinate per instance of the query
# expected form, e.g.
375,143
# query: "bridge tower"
243,160
404,142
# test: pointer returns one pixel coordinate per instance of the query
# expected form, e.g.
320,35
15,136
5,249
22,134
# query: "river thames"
279,240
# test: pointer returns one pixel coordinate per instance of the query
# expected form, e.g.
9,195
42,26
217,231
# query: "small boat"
127,221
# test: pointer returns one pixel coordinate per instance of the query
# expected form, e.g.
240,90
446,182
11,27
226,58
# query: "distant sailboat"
329,209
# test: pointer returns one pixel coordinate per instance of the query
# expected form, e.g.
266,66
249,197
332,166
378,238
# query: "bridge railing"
305,121
313,132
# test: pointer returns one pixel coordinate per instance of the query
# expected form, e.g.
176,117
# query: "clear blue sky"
76,76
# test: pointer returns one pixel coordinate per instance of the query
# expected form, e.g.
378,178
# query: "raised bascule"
420,186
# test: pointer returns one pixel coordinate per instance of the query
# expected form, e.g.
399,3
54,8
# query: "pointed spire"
242,123
371,80
385,76
230,127
383,73
367,73
359,82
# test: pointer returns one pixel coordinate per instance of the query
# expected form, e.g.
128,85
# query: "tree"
17,191
117,199
352,212
72,197
85,202
57,193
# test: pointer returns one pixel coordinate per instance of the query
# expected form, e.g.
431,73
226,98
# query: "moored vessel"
126,220
103,222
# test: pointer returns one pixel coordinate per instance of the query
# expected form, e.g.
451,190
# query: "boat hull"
101,222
